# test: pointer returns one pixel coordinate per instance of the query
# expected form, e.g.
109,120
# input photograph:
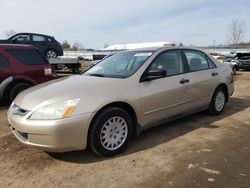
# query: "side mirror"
154,74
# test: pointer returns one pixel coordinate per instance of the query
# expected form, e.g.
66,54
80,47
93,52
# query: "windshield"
120,65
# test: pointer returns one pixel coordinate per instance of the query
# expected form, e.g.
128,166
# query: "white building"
130,46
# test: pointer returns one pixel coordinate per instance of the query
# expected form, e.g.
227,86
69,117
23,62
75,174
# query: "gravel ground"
197,151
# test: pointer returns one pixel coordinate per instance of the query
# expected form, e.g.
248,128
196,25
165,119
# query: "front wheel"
218,102
110,132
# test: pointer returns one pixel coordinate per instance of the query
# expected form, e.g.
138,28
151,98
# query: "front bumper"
52,135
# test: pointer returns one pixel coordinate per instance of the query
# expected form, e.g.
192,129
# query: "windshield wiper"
98,75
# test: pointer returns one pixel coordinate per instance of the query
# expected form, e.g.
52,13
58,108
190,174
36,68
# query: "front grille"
24,135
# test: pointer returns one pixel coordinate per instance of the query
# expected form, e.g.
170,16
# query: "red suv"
21,66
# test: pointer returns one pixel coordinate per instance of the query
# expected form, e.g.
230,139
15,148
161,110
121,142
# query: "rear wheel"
218,102
110,132
18,88
51,54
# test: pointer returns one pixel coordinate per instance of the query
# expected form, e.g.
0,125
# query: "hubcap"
51,54
219,101
114,133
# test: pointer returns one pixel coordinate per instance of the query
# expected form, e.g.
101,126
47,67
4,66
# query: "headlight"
56,110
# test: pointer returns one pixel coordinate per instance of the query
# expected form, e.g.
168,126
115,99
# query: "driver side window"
170,61
21,39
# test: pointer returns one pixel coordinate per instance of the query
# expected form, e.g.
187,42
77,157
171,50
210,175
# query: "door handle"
183,81
214,74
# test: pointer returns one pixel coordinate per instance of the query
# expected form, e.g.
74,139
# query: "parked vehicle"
123,94
21,67
232,64
243,60
72,64
48,45
95,62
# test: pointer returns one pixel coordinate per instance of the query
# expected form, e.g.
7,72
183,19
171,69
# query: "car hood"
89,88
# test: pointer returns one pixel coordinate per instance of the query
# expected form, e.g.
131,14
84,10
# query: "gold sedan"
123,94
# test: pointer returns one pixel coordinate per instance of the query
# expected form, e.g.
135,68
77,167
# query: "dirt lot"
197,151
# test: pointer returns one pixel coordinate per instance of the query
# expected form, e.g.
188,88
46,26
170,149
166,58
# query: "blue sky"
94,23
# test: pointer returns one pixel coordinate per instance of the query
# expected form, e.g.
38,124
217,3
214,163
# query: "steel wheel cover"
219,101
51,54
114,133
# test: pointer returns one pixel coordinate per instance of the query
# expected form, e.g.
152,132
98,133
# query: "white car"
223,59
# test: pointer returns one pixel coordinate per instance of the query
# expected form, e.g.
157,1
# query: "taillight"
47,71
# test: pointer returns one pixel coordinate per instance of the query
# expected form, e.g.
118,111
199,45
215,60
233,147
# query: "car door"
34,65
168,96
4,67
40,42
4,73
204,76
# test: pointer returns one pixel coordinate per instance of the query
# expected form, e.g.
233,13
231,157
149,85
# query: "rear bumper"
231,89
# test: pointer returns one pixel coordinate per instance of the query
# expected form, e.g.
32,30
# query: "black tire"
95,143
18,88
51,53
213,109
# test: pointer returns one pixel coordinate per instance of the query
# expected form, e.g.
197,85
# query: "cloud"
94,23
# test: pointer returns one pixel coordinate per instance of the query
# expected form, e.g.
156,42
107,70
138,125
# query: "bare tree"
105,45
76,46
10,32
237,30
65,44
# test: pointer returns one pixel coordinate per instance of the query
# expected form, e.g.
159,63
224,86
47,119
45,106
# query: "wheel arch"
119,104
13,83
50,48
225,88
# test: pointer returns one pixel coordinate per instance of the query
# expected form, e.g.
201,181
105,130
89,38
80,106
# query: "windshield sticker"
143,54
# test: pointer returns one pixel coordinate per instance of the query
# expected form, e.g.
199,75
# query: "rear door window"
197,61
4,63
28,57
38,38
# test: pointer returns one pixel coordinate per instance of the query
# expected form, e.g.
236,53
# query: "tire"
51,54
110,132
16,89
218,102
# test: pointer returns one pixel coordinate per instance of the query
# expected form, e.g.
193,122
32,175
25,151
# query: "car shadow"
160,134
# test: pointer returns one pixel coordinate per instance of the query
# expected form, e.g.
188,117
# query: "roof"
25,33
130,46
166,48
